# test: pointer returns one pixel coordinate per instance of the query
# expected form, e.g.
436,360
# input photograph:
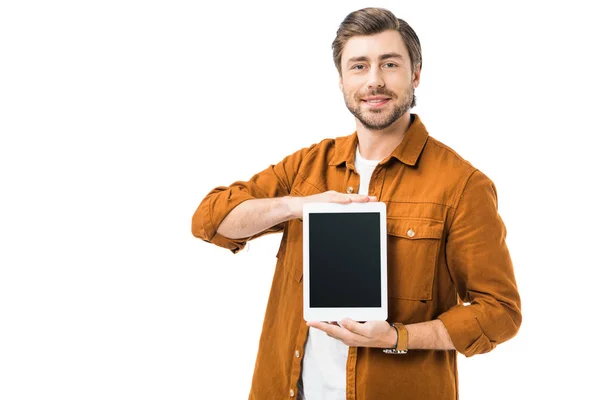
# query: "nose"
375,79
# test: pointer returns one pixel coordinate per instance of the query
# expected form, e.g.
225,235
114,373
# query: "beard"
378,119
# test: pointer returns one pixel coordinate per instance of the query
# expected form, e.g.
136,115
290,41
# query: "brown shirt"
454,254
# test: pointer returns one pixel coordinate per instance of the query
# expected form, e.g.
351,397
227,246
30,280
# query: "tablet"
345,261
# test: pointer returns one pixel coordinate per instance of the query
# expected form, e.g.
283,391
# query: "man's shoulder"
446,156
326,148
332,142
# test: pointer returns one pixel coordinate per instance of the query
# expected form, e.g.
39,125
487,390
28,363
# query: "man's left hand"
360,334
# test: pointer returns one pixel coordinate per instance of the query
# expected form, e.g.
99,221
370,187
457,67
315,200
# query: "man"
446,240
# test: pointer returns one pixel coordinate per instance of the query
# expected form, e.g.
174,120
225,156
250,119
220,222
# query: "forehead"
374,45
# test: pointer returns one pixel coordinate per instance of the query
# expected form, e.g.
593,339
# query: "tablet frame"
338,313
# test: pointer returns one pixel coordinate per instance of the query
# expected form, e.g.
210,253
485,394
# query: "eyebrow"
381,57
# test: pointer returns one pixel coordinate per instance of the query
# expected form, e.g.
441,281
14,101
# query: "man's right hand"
295,204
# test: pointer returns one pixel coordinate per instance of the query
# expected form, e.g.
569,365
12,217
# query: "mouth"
376,101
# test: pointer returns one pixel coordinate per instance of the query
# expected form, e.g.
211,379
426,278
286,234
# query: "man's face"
377,80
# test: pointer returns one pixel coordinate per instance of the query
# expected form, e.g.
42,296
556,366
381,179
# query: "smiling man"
451,281
378,98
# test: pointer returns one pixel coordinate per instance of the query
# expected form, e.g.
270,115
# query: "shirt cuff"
210,229
464,330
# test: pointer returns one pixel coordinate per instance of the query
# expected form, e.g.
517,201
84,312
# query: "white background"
117,117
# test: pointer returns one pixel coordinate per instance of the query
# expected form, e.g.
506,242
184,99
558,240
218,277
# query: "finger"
332,330
355,327
360,198
340,333
337,197
364,197
343,198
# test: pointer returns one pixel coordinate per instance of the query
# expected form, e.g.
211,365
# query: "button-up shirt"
447,260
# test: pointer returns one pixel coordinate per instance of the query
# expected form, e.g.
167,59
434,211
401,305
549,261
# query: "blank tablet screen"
345,259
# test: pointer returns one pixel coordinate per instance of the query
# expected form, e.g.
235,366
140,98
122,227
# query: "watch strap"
401,342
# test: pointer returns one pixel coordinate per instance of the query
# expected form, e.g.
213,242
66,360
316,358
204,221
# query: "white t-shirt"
324,363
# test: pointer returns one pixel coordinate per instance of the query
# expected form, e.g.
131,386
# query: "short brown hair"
371,21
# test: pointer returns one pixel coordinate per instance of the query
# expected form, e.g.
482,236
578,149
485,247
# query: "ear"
417,76
341,84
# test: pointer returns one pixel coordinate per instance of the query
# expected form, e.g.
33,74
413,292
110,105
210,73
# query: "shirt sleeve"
481,268
275,181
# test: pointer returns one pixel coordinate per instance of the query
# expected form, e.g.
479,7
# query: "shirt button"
410,233
297,354
350,189
291,392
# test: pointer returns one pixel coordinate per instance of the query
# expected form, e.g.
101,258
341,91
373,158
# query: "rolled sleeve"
464,330
219,202
275,181
482,271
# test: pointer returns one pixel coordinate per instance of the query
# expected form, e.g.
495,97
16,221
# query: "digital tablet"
345,261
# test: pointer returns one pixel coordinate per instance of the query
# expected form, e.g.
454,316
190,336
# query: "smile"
376,102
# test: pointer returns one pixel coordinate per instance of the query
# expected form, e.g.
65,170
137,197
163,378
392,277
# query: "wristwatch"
402,341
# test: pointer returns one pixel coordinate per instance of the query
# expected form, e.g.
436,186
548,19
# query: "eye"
389,65
358,67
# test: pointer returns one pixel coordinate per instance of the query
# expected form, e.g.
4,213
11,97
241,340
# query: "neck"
378,144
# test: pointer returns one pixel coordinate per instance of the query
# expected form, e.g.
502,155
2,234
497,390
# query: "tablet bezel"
338,313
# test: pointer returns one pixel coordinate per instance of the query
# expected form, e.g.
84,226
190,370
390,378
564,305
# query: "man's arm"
482,272
274,182
430,335
254,216
481,269
229,216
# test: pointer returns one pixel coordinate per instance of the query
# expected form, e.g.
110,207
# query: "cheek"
352,91
400,82
352,85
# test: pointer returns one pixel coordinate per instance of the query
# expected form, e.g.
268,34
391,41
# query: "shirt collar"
408,151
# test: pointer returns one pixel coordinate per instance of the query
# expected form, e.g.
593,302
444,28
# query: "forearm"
254,216
429,335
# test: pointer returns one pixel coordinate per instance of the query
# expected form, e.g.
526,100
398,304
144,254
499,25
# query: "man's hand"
295,203
368,334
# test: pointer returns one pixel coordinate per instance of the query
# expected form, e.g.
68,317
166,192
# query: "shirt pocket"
413,249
